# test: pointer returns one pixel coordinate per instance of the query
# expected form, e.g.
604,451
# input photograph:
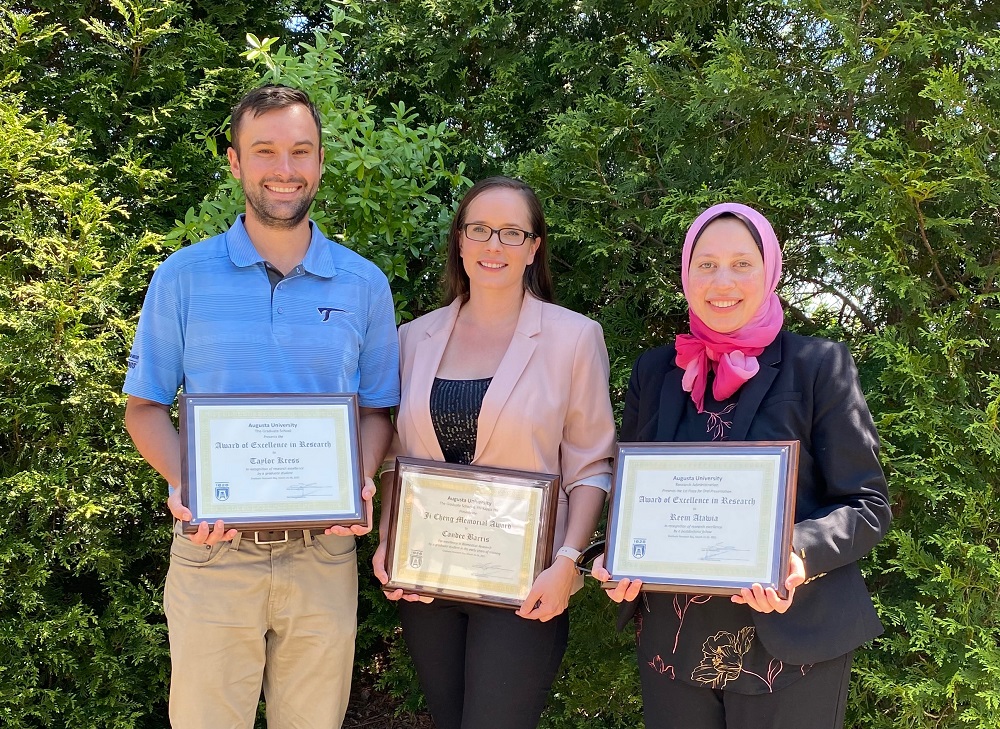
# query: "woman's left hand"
549,594
767,600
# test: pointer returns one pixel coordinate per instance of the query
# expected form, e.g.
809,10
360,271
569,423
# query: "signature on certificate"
491,569
723,553
305,491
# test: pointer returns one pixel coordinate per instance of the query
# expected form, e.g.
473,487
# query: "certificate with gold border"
468,533
272,462
705,518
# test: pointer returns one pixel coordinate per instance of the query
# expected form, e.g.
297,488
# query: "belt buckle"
257,539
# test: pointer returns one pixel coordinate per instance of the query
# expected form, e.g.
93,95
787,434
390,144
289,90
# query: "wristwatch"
584,558
573,554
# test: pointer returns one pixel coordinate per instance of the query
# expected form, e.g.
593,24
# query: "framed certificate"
467,533
271,461
705,518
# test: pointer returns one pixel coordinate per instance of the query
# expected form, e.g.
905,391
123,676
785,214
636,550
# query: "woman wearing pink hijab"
755,659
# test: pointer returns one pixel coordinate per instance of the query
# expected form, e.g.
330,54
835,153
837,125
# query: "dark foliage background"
867,132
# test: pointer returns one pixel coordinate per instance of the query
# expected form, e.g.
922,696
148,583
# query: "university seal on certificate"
706,518
469,533
272,462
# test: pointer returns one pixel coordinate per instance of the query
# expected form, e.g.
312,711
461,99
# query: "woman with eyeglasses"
502,377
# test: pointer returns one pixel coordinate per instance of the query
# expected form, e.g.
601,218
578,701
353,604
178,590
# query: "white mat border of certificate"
669,528
326,492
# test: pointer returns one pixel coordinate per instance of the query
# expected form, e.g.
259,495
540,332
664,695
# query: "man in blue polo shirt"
270,306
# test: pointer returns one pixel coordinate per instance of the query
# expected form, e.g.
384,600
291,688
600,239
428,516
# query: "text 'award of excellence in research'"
704,518
271,461
468,533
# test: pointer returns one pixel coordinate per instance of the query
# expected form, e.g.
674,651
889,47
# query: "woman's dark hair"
537,278
268,98
755,234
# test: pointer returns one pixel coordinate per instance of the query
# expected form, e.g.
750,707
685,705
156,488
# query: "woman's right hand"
378,566
626,589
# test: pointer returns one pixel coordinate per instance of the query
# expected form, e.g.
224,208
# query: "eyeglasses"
508,236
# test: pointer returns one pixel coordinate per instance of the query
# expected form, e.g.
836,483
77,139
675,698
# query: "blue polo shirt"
211,323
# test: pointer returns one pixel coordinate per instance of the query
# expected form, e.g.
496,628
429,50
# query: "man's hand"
357,530
204,535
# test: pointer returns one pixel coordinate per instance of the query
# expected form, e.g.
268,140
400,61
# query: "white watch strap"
573,554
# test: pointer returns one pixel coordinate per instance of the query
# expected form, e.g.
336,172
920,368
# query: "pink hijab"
732,356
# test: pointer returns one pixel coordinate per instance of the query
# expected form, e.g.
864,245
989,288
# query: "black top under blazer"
807,390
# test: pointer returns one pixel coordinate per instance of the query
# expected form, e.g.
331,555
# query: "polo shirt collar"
318,259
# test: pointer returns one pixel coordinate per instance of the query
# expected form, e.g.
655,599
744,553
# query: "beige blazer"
547,409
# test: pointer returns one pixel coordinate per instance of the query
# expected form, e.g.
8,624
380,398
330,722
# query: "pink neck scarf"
732,356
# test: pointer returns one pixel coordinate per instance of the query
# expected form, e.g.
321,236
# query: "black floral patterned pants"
816,701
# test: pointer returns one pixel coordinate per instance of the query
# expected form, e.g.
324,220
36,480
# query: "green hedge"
868,134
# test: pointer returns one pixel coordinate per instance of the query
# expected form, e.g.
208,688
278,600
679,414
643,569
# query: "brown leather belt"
279,536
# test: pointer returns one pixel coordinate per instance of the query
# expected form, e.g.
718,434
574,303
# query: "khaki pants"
243,616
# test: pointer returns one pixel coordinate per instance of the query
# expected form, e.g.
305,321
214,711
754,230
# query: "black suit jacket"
807,390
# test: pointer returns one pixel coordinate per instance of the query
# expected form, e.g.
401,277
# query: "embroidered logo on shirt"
326,311
132,361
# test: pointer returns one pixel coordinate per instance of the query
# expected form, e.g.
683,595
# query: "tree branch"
826,288
930,251
796,313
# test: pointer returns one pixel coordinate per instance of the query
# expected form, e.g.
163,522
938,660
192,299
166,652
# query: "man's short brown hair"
268,98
